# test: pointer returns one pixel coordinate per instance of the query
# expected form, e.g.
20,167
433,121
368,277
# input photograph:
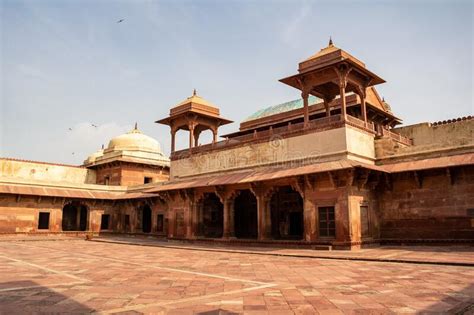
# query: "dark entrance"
245,215
146,219
104,222
74,217
296,224
43,221
286,208
212,219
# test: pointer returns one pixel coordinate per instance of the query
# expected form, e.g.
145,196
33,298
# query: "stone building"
330,169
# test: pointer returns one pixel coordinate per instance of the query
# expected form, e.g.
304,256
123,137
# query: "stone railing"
396,137
360,123
283,131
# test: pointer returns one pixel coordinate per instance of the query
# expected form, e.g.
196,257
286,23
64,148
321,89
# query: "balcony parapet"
289,130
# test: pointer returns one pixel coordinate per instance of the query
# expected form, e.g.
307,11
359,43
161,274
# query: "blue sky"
68,64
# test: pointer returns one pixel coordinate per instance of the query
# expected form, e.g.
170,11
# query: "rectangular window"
148,180
160,223
106,180
364,221
43,221
327,223
104,223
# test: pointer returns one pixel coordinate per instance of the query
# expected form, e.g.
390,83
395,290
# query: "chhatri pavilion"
333,169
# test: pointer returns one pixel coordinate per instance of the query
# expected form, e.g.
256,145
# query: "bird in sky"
70,129
94,125
120,21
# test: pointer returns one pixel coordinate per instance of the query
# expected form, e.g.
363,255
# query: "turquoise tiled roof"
281,108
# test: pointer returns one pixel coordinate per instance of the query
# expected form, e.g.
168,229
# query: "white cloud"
295,26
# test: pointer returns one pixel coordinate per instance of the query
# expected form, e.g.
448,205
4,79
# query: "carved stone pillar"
214,135
225,233
342,93
326,106
173,140
342,73
196,138
195,219
363,106
304,185
191,135
226,196
189,196
310,227
264,218
264,222
229,218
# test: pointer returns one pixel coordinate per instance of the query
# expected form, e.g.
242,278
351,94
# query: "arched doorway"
74,217
144,218
286,206
212,216
245,215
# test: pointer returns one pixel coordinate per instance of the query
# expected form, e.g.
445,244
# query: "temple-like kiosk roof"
196,105
326,59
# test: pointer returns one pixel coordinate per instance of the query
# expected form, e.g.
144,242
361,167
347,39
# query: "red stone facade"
331,174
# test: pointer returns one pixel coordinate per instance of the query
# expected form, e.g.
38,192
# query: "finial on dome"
136,126
330,41
194,92
383,99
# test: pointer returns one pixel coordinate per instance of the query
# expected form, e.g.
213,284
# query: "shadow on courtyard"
461,302
28,297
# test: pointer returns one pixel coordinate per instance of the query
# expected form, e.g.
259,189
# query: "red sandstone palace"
331,169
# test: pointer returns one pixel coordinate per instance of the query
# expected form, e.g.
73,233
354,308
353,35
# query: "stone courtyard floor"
106,276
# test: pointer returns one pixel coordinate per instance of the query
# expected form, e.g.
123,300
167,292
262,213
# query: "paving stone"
83,277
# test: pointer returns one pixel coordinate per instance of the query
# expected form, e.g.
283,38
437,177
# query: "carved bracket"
260,190
363,179
342,72
310,181
225,194
351,175
299,184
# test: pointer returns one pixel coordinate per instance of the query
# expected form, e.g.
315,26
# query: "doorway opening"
245,215
286,207
75,217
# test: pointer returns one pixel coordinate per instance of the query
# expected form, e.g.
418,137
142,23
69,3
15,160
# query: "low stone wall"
432,207
47,172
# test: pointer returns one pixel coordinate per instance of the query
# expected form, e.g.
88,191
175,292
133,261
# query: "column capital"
225,194
261,191
342,72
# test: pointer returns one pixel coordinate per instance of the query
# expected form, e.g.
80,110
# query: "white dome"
132,146
134,140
